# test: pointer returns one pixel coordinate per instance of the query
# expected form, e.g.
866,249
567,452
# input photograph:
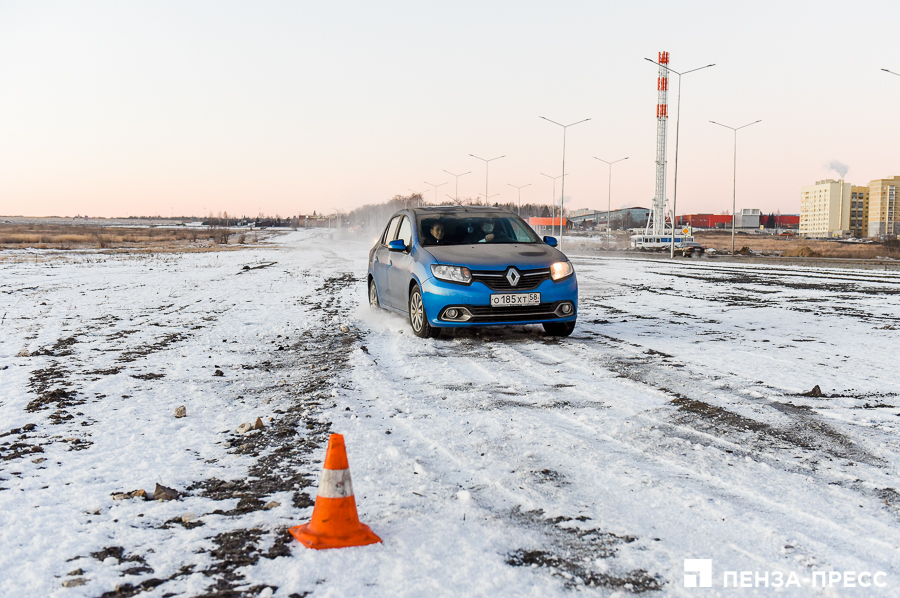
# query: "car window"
390,232
405,232
520,231
455,228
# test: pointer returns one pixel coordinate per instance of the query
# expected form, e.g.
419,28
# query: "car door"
381,261
400,266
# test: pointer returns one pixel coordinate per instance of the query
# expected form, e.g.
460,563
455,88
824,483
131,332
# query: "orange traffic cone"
335,523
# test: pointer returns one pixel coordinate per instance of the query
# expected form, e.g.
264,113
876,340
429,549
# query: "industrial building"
623,218
749,218
547,226
705,220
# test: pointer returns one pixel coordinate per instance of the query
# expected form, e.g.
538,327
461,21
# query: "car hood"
499,256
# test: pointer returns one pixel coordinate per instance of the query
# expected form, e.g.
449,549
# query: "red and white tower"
656,223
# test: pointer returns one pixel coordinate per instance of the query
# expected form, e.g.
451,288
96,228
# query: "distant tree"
771,221
545,212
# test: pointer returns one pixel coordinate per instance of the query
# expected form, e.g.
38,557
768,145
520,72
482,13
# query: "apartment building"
859,211
883,213
825,208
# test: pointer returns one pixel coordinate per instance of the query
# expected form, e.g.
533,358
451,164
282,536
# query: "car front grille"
496,280
521,313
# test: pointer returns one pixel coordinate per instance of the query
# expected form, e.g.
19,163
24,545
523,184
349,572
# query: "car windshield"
469,228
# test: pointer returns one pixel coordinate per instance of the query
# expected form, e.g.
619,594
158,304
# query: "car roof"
457,209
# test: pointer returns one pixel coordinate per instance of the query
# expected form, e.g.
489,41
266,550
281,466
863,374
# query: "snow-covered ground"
671,425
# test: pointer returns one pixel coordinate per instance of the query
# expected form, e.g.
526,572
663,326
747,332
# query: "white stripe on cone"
335,483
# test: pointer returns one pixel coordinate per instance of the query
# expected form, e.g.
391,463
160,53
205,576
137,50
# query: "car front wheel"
559,328
417,317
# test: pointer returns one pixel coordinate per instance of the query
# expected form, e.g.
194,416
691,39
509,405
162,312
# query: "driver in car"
488,229
491,233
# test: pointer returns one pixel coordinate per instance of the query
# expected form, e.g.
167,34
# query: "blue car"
449,267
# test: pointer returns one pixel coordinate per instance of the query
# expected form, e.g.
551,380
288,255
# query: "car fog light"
451,313
567,308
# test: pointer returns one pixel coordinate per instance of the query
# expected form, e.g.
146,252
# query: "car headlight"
560,270
452,273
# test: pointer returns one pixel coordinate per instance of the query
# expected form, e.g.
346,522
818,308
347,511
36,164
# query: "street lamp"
520,195
562,193
677,126
891,72
609,194
335,219
486,163
456,199
435,189
553,200
486,198
734,182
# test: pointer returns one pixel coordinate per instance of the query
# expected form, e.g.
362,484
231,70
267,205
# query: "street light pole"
553,200
335,219
677,127
734,181
435,189
457,183
486,163
609,194
520,195
563,191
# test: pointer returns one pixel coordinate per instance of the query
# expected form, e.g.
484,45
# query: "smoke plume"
839,167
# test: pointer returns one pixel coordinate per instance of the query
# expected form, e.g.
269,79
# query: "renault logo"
513,276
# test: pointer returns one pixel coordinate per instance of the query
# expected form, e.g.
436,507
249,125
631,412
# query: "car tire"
374,305
418,319
559,328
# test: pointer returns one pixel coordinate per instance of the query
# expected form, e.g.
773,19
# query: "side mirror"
551,241
397,245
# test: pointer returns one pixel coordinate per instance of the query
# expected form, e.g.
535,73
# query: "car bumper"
438,296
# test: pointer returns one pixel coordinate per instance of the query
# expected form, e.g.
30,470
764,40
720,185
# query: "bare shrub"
59,236
801,252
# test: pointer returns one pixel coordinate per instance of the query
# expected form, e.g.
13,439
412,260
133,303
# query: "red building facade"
724,220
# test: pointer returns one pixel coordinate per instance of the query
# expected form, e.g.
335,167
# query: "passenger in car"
438,233
434,232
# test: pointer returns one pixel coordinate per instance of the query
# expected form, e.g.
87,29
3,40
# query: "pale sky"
126,108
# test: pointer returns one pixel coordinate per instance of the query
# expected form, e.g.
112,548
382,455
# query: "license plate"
515,299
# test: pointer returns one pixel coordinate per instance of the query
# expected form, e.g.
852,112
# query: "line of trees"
375,215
